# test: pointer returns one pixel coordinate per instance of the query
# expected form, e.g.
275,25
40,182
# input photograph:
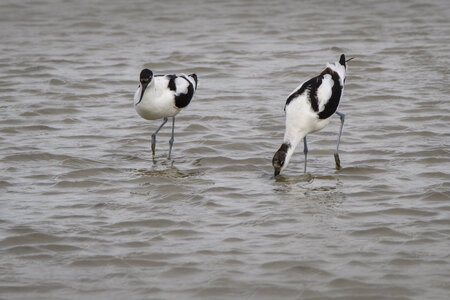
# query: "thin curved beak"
349,59
143,87
276,173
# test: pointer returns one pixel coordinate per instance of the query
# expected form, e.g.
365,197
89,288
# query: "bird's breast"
156,105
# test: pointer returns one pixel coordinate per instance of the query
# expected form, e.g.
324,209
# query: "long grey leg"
305,150
336,154
172,138
154,136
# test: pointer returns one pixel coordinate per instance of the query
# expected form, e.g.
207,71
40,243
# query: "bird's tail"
194,76
344,61
340,67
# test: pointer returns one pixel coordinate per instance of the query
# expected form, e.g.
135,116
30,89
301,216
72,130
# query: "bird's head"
145,78
279,161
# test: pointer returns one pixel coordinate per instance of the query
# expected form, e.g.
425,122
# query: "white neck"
292,140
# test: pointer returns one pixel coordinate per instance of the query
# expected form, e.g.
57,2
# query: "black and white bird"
309,108
163,96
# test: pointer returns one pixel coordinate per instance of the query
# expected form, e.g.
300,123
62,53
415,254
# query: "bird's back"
309,107
322,93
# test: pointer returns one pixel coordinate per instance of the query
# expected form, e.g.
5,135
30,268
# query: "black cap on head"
146,76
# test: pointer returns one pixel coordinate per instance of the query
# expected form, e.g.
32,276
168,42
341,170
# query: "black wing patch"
183,100
316,82
336,92
311,85
297,93
172,86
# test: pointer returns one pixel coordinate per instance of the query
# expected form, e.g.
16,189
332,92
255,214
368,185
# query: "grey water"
85,213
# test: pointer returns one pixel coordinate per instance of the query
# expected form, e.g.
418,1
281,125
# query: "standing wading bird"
309,108
163,96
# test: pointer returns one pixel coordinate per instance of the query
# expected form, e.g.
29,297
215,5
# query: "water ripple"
86,212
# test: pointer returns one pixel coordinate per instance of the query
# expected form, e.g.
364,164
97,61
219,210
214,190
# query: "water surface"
86,213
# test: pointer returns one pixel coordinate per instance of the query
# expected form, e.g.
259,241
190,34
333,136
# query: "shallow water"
86,213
